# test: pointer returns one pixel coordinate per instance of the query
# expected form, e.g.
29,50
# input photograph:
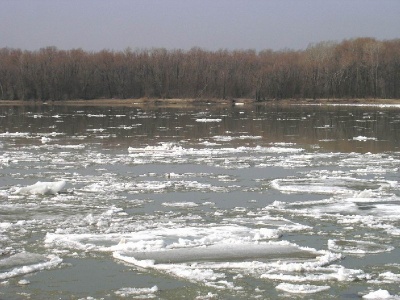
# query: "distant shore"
196,102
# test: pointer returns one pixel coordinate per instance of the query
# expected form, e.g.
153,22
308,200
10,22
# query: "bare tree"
362,67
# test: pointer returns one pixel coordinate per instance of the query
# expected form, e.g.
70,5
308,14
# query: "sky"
94,25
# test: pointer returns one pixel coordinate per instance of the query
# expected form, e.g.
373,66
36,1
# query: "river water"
242,202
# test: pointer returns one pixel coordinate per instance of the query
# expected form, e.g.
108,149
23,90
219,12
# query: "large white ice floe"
208,254
363,138
166,150
228,138
389,277
25,263
334,185
42,188
15,134
301,288
205,120
140,293
208,264
223,252
380,294
357,247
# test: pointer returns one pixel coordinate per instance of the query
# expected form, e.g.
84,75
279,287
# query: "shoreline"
198,102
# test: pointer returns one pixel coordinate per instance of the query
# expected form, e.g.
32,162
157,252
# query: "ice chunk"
45,139
227,252
24,282
26,262
21,259
42,188
138,292
390,277
357,247
129,259
194,274
301,288
363,138
14,134
180,204
379,294
313,271
205,120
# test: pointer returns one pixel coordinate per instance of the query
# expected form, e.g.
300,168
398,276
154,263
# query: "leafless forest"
357,68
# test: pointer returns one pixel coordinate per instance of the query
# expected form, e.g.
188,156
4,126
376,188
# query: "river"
238,202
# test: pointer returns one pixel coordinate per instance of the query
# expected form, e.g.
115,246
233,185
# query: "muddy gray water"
199,203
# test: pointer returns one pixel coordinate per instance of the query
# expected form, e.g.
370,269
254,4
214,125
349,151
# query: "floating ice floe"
42,188
225,138
180,204
334,185
283,144
25,263
207,265
14,134
168,150
142,293
163,239
389,277
327,185
45,139
24,282
81,146
96,116
364,138
301,288
357,247
223,252
205,120
380,294
5,159
202,254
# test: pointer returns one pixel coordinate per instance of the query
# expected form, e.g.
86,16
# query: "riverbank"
196,102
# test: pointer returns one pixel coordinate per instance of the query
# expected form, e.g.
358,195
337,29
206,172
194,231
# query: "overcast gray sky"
183,24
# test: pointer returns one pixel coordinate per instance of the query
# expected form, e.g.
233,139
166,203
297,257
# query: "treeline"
357,68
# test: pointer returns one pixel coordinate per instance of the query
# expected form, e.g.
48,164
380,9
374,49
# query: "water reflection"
344,129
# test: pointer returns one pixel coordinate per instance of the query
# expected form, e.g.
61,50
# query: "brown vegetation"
353,69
